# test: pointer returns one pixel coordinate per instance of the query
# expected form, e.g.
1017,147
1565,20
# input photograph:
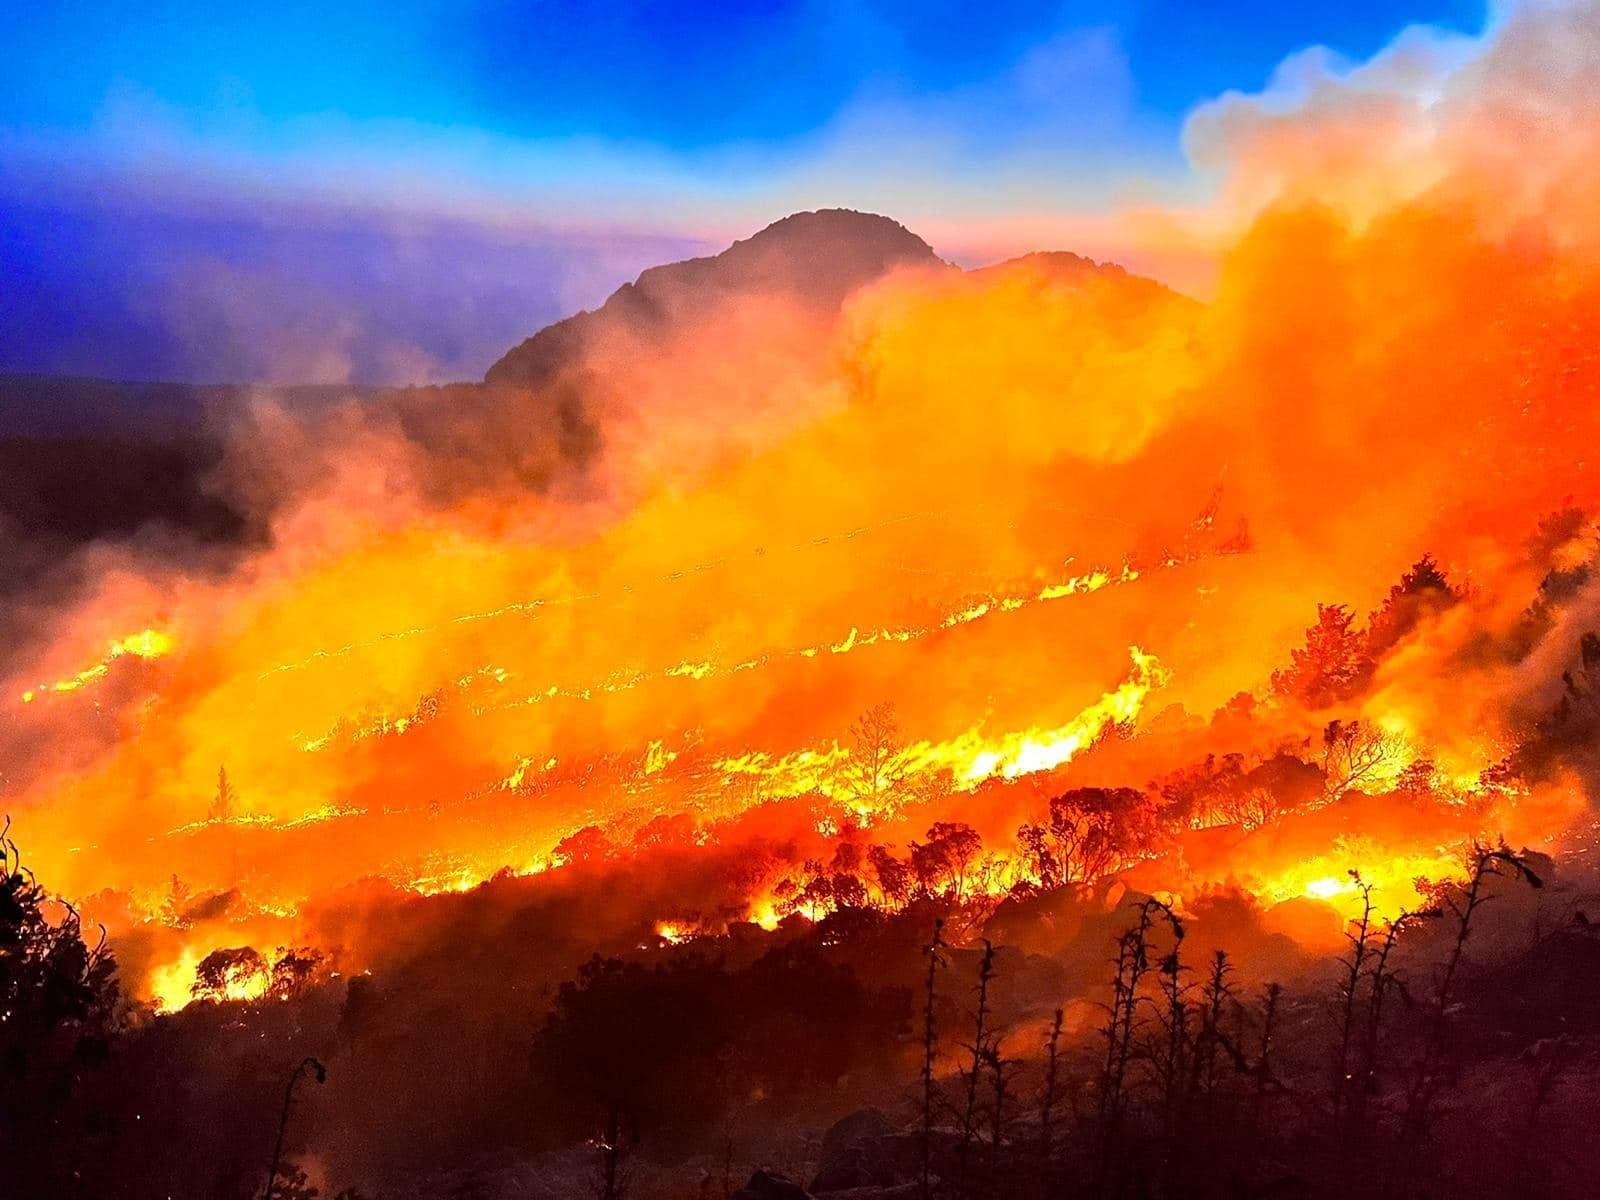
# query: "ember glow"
975,540
146,644
1068,665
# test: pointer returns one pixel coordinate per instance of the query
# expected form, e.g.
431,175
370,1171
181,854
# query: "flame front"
965,498
146,644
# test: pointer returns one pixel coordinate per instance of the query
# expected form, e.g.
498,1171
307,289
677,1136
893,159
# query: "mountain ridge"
815,259
83,458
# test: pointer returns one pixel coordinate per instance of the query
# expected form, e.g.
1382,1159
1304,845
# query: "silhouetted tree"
935,955
1461,904
1038,856
816,894
978,1048
1263,1067
1351,752
588,844
1382,983
1132,965
290,1180
1174,1047
293,970
58,1001
893,875
875,770
1423,591
1000,1068
1332,666
1047,1106
847,890
1199,794
231,973
1092,829
930,864
223,799
1359,936
960,845
1216,1000
636,1046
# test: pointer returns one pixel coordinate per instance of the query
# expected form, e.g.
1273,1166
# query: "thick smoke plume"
660,573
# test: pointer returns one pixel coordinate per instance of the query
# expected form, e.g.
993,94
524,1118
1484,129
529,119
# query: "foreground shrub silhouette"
58,1001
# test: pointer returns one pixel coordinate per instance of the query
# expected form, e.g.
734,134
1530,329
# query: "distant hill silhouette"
82,459
1063,264
814,259
82,406
1068,268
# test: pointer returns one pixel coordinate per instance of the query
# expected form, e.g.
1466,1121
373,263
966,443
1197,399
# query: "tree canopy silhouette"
58,1001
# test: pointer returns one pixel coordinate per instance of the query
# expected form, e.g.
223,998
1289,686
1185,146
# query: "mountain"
65,406
82,459
814,259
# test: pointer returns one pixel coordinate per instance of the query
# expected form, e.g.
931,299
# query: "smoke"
1500,126
476,619
123,273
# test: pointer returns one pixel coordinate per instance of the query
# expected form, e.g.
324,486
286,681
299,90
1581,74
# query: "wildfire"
624,680
673,933
1337,878
1012,507
172,986
969,758
146,644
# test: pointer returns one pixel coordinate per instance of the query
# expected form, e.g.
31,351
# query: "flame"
1336,878
972,757
765,914
146,644
359,727
968,494
172,986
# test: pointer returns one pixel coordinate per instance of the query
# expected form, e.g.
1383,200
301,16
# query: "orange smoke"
968,496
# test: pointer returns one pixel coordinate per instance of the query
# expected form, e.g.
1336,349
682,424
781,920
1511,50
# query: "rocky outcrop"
853,1154
768,1185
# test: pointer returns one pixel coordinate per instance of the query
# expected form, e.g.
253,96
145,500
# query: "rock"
847,1131
865,1163
767,1185
904,1150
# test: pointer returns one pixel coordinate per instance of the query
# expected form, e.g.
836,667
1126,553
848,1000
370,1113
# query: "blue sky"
392,191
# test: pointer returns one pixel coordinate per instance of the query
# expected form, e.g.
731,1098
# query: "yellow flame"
171,986
146,644
696,670
971,757
1392,873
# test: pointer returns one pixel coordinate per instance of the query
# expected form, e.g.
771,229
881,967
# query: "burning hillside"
973,540
823,582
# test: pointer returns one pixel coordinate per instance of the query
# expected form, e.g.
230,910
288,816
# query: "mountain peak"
846,227
813,259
